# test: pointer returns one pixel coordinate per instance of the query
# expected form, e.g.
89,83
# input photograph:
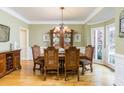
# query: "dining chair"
88,57
72,59
38,60
51,61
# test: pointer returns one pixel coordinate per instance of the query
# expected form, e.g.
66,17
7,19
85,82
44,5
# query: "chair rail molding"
119,69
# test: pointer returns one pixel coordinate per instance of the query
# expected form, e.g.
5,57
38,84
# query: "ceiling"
52,15
104,14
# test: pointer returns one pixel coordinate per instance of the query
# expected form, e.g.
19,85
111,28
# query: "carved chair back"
36,52
89,52
72,58
51,58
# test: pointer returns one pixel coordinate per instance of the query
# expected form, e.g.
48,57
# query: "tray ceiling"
53,14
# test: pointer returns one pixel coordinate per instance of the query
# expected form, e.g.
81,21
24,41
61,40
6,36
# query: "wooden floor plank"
101,76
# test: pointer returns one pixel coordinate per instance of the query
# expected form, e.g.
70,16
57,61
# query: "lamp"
61,27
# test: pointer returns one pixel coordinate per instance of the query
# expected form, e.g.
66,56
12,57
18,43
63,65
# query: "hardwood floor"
101,76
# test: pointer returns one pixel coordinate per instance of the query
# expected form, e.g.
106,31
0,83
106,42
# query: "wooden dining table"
62,56
62,59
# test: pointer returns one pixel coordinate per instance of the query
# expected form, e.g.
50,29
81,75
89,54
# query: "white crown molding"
55,22
101,21
97,10
13,13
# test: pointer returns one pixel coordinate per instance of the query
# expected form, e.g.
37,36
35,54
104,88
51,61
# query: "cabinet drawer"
2,56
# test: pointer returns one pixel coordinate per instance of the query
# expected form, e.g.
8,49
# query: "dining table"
62,59
62,55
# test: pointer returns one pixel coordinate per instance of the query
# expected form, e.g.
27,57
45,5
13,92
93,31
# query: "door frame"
107,43
27,41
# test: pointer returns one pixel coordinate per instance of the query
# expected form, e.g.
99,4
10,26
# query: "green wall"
14,24
88,29
87,35
119,41
37,31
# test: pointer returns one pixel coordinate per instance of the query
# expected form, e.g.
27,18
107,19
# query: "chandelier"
61,27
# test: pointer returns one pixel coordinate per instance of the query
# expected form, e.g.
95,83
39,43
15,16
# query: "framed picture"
77,37
121,27
4,33
46,37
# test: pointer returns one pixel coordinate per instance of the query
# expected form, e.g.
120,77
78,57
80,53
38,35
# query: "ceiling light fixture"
61,27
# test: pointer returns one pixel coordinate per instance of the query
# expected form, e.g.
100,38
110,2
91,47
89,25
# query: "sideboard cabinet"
9,61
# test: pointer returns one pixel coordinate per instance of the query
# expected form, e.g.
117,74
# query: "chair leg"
44,73
78,75
63,66
65,75
58,74
40,68
91,67
34,67
83,67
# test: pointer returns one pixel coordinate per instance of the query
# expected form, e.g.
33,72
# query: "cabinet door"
61,39
68,39
17,59
2,64
57,40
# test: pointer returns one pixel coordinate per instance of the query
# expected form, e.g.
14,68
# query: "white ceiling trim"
100,21
13,13
97,10
55,22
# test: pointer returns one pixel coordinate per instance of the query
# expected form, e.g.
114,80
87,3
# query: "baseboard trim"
119,65
106,66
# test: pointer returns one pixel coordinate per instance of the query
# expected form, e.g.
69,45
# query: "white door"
97,40
23,43
110,44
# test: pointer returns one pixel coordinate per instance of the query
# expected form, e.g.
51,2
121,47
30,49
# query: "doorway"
103,39
97,41
24,43
110,44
